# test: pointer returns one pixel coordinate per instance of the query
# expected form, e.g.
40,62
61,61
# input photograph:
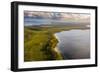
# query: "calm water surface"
74,44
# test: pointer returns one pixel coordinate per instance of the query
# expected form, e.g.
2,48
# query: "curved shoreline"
56,37
56,49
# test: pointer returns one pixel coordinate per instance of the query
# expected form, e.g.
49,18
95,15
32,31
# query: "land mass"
40,42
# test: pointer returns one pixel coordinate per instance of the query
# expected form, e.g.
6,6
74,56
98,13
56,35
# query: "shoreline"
56,37
56,49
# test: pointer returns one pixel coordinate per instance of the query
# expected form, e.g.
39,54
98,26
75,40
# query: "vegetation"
40,43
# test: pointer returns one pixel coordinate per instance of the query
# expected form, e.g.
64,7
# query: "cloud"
58,15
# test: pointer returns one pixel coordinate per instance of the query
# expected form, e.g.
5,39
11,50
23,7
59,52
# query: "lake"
74,44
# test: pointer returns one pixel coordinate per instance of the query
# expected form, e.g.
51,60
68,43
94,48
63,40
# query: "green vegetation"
40,43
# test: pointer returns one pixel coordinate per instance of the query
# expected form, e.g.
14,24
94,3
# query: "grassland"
40,42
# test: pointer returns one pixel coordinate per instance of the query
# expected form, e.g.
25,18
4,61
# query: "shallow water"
74,44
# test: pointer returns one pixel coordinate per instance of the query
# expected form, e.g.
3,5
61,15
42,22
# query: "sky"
58,16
